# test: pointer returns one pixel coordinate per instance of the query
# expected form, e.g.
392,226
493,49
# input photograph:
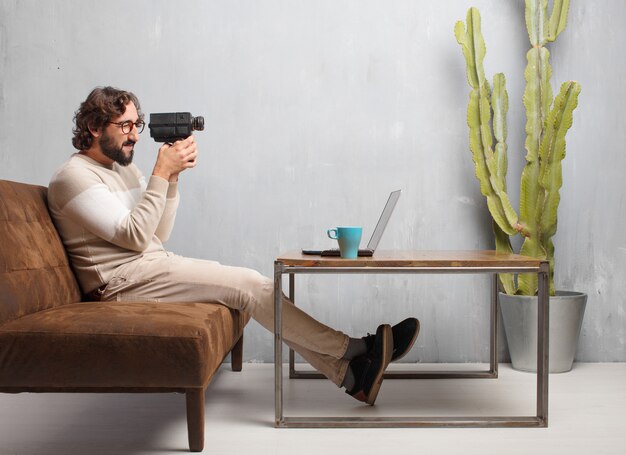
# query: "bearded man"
114,222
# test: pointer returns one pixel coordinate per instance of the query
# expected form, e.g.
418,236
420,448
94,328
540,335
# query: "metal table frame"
539,420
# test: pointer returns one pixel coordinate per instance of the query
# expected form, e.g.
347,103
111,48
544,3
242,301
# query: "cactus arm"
498,164
558,18
500,104
553,152
473,47
479,122
536,11
479,137
537,99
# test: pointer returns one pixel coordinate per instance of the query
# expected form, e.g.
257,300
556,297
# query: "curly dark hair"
102,105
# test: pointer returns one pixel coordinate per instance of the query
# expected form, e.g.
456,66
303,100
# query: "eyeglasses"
127,126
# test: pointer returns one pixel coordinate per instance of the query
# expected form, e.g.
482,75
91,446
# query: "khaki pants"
166,277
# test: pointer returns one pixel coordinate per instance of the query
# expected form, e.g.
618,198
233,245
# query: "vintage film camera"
170,127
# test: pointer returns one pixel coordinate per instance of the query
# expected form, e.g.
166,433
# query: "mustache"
129,143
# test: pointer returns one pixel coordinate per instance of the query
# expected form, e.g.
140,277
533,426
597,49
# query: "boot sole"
387,352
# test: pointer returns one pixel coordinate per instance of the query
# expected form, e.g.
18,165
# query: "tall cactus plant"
547,122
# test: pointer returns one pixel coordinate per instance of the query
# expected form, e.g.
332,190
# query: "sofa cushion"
34,270
115,344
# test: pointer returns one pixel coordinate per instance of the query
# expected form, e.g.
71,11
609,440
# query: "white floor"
587,415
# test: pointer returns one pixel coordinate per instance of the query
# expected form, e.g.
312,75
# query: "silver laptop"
376,235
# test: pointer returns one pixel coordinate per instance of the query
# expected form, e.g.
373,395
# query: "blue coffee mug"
349,238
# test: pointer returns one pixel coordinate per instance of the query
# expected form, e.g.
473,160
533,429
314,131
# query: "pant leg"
172,278
334,369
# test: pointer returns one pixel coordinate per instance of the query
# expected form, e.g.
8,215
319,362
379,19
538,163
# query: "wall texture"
315,111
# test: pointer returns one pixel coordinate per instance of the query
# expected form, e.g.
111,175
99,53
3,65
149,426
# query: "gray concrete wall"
315,111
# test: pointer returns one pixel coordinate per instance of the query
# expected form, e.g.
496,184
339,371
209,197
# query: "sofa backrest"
34,270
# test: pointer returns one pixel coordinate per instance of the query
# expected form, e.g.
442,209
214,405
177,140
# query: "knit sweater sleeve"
164,229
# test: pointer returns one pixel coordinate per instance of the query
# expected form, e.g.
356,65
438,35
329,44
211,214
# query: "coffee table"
418,262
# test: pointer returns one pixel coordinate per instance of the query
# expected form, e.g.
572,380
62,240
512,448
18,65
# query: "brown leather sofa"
50,341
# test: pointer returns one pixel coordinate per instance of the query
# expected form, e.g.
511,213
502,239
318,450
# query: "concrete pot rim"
559,294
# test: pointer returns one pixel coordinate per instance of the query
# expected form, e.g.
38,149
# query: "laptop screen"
383,220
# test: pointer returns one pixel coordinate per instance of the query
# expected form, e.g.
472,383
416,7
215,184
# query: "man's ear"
95,132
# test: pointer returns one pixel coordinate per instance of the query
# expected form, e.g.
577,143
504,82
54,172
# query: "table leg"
278,343
543,330
493,333
292,354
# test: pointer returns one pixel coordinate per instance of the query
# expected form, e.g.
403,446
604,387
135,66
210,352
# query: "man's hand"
175,158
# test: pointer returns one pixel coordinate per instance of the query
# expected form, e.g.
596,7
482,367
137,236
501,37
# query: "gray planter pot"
519,313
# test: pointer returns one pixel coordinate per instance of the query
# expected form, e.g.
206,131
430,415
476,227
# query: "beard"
112,151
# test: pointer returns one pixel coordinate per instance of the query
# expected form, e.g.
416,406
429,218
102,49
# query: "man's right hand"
175,158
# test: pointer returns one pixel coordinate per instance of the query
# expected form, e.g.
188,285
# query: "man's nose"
134,134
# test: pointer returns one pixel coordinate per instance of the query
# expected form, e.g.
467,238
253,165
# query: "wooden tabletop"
408,258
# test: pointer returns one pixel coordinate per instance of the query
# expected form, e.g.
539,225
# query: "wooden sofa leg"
236,355
195,419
